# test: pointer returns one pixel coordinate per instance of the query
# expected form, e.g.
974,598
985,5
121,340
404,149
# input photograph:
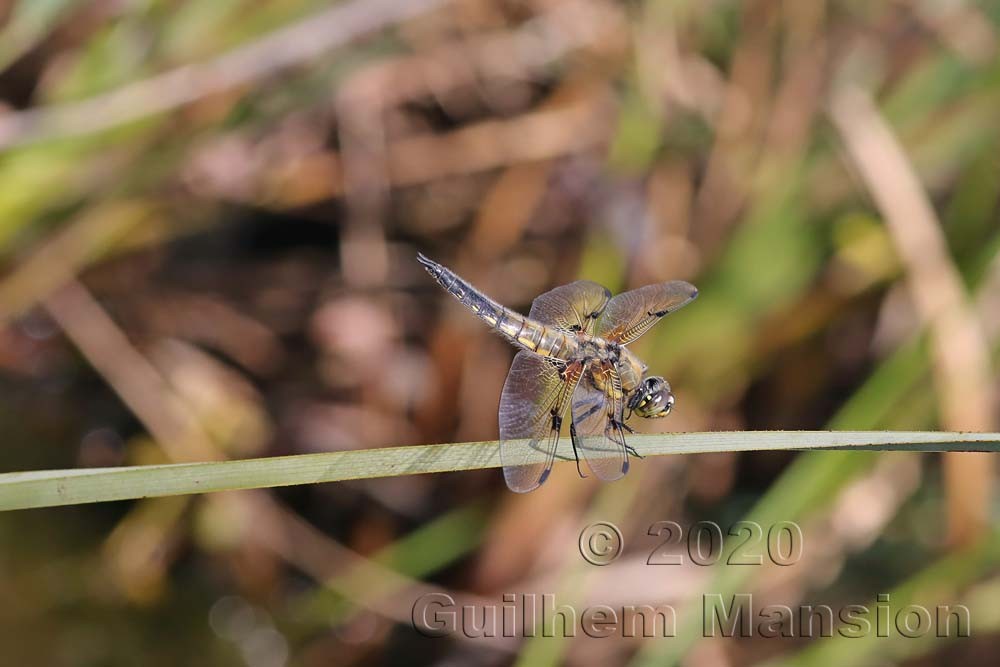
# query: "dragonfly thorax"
594,353
630,369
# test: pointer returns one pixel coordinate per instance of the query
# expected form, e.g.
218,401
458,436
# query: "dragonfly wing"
532,405
631,314
597,431
572,307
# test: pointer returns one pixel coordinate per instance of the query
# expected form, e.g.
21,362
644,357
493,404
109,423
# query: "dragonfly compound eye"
653,398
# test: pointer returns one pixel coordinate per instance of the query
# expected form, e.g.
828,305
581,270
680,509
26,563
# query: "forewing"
532,404
597,424
630,314
572,307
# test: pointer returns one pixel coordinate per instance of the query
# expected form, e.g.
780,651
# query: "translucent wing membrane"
532,406
597,423
631,314
572,307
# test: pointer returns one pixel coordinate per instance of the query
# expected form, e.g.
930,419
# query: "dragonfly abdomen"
522,331
536,337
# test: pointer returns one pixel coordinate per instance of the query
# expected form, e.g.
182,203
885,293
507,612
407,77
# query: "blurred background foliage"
209,213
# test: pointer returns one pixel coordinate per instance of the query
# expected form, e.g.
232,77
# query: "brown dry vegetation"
209,215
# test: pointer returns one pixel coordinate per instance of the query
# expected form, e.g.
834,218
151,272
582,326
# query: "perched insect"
573,352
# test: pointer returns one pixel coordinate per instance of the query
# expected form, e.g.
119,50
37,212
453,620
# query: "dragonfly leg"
622,427
572,439
629,449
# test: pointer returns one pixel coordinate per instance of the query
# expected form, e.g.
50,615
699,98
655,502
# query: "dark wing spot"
556,422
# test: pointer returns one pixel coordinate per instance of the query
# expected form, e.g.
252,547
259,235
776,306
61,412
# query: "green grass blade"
48,488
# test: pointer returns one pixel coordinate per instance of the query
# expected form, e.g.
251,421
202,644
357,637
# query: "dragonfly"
573,355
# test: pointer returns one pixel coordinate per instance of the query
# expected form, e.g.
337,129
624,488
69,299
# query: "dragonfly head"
652,398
